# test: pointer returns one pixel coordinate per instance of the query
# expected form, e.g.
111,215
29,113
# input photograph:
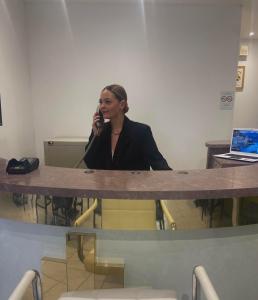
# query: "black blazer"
135,150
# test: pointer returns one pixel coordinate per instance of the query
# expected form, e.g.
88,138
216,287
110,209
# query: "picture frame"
240,78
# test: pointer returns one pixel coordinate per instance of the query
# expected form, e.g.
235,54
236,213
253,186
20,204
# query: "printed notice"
227,100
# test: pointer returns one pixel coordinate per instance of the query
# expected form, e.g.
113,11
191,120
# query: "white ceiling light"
251,33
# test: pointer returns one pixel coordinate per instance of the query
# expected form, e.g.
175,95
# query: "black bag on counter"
22,166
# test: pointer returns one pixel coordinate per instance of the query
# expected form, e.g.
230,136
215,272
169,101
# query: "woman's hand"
96,120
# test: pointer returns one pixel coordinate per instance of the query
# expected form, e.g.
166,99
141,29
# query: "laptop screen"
245,141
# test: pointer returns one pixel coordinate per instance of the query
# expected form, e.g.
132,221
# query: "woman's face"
109,105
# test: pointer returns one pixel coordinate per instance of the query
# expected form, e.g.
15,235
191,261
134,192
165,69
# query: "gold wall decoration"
240,78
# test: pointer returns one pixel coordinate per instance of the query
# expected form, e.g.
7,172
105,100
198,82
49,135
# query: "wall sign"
227,100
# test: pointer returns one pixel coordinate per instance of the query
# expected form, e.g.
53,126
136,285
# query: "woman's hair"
119,92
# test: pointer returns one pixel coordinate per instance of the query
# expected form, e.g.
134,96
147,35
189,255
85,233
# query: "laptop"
244,145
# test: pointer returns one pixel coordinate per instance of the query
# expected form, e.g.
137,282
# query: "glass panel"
44,209
129,214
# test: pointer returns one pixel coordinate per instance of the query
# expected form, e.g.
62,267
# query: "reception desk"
161,259
189,184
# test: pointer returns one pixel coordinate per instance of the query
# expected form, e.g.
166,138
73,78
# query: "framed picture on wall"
1,123
240,78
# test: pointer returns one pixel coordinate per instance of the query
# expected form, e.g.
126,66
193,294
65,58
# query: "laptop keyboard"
240,156
243,158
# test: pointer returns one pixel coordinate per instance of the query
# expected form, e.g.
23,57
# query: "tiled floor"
77,273
54,279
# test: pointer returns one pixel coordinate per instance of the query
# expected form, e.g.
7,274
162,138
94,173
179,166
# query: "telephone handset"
100,123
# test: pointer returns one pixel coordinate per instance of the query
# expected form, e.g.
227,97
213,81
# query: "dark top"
135,149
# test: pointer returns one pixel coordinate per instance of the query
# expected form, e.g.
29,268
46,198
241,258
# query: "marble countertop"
190,184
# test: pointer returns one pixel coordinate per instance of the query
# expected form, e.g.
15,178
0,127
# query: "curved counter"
161,259
207,183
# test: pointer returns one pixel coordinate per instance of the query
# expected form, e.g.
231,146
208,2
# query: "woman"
121,144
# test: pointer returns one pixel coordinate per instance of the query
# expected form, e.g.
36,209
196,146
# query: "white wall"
174,60
17,132
246,105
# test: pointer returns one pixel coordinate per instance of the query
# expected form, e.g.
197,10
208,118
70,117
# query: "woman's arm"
151,152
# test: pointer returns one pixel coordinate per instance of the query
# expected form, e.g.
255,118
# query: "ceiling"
249,10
